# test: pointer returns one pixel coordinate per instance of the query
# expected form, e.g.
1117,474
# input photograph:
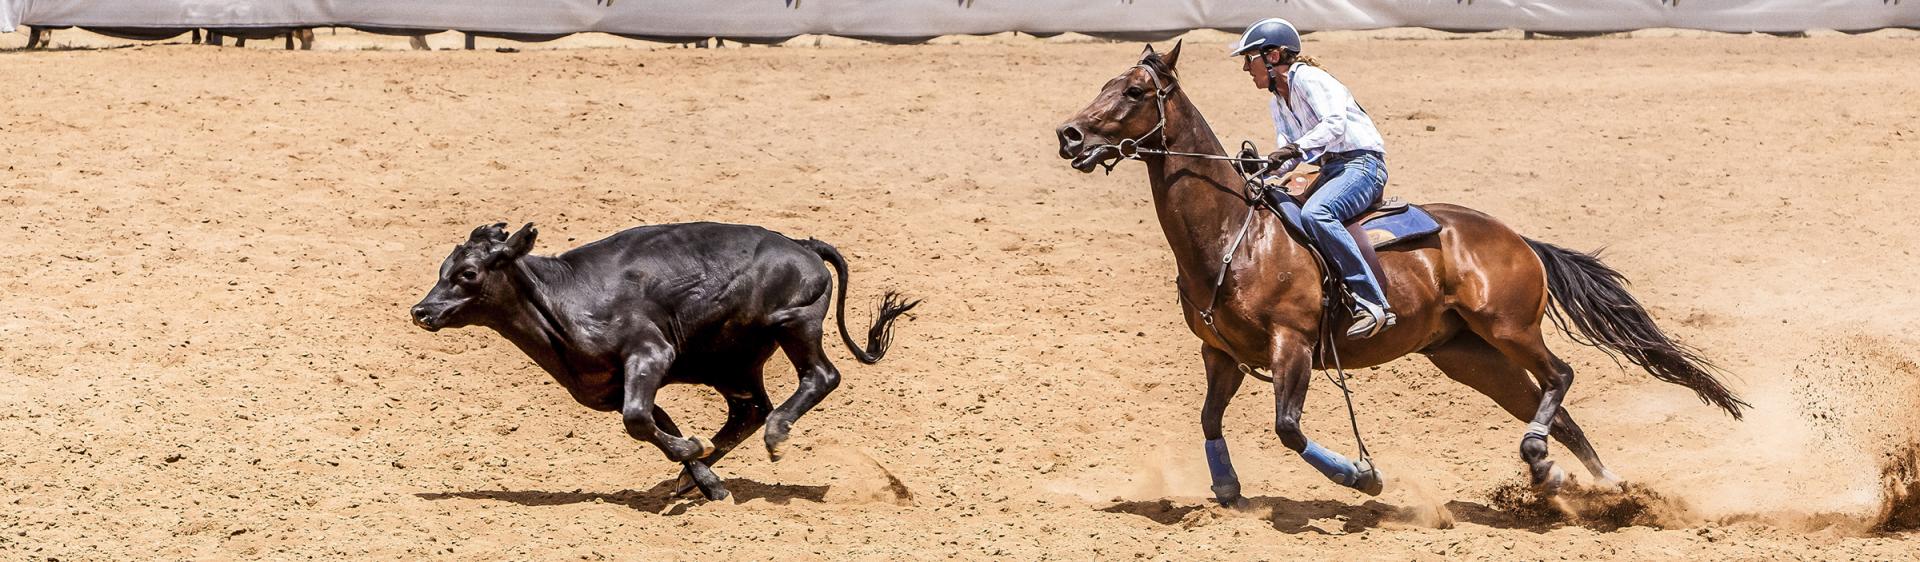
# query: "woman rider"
1318,121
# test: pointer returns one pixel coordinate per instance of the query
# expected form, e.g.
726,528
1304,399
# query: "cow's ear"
521,242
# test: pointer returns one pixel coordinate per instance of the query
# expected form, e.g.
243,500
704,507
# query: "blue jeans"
1347,186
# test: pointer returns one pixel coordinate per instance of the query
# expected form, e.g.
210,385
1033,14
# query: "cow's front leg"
695,473
744,416
645,371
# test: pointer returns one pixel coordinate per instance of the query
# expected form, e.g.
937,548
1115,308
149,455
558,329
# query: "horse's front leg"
1292,370
1223,380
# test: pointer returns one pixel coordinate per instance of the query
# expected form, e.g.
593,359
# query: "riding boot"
1369,319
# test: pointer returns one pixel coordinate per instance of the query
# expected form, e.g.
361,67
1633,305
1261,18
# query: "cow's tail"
880,334
1591,304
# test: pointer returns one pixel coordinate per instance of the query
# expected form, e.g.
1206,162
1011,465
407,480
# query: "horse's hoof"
1610,481
1236,502
1228,495
1371,481
706,447
773,451
1554,479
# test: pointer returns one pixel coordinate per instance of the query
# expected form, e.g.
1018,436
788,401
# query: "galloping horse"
1471,297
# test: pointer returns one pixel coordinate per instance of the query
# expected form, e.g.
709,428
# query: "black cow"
699,303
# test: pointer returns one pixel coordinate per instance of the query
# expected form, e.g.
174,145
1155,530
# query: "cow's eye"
469,276
1134,93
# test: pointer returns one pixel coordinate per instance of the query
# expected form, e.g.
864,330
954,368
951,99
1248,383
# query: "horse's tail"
880,334
1594,299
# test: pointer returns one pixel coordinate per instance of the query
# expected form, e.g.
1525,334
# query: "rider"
1318,121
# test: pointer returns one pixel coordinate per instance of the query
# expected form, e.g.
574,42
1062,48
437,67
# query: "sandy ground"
206,353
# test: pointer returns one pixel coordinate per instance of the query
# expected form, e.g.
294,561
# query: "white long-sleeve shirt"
1320,116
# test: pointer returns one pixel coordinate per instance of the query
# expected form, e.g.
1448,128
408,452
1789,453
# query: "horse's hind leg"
1569,434
1480,366
801,342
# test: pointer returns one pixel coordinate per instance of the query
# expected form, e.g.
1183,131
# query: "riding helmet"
1270,32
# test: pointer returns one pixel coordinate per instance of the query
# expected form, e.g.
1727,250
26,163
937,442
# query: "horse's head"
1128,108
475,279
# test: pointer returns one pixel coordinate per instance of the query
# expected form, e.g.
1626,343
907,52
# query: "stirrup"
1370,320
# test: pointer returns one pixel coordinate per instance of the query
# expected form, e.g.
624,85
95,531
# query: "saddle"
1387,222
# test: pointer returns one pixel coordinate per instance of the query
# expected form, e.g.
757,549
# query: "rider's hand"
1285,153
1248,163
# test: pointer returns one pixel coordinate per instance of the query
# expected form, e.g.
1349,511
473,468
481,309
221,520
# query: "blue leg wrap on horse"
1226,485
1335,466
1218,463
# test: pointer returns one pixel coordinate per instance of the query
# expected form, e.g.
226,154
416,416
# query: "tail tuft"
880,333
1590,302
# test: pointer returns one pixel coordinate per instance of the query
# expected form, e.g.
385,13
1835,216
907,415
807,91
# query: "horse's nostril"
1070,133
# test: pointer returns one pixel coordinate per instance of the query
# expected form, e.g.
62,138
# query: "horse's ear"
1147,52
521,242
1172,57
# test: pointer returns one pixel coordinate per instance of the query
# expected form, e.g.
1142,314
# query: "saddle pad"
1396,221
1385,230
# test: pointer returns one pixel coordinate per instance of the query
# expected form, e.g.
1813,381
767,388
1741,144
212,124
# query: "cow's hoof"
775,446
709,483
776,434
680,485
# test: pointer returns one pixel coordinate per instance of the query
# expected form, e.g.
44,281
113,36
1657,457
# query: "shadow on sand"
654,500
1329,517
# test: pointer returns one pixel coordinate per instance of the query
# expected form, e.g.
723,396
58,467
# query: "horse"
1471,297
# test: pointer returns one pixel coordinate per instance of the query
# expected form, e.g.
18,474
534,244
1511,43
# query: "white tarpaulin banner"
9,15
909,20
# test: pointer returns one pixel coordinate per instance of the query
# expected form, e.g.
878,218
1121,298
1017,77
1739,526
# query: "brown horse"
1471,297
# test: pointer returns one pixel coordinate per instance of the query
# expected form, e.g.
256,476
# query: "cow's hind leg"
1473,362
800,339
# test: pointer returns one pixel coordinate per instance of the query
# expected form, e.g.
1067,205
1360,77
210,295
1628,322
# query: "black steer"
698,303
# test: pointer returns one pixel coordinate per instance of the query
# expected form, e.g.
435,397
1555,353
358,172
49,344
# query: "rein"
1130,149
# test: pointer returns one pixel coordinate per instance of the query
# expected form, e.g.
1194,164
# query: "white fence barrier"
913,20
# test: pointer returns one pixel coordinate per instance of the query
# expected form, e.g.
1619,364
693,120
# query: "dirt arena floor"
207,355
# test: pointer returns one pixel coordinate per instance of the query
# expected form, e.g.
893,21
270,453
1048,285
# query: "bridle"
1130,149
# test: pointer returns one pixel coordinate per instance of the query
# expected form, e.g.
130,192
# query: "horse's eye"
1134,93
469,276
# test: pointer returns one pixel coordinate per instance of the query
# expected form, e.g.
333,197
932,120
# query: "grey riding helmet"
1270,32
